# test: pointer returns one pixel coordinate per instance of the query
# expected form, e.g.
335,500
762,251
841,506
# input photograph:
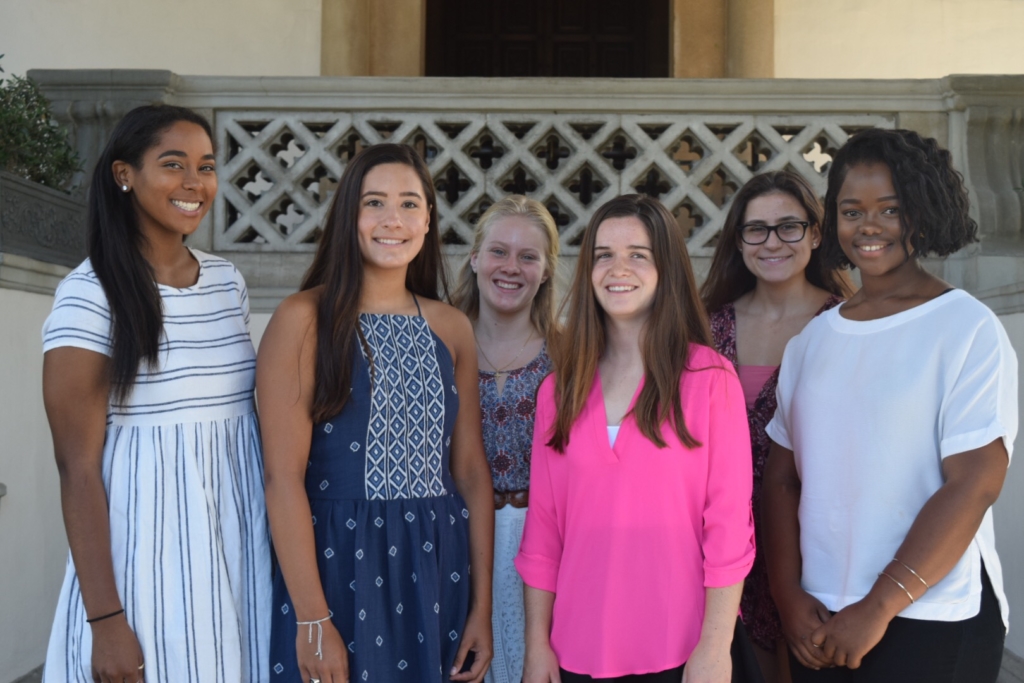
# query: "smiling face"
394,216
868,222
511,264
175,183
776,261
624,277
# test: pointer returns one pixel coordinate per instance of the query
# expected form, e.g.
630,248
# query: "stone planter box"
40,223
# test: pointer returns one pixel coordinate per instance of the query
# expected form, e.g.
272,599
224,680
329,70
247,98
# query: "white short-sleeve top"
207,364
870,409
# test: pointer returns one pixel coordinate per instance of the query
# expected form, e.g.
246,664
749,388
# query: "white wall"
195,37
897,38
1009,509
33,546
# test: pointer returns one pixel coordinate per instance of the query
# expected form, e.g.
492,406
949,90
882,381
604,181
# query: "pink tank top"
752,379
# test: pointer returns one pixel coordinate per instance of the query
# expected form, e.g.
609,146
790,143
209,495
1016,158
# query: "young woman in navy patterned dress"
766,281
378,491
148,378
507,289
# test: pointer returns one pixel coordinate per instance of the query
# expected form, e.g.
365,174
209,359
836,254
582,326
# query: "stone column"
699,38
751,39
373,37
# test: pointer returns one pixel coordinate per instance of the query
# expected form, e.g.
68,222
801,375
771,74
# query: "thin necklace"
498,372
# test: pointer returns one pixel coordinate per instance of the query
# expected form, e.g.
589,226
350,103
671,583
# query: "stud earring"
124,188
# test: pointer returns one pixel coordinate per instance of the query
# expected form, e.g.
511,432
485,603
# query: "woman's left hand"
708,664
851,633
476,637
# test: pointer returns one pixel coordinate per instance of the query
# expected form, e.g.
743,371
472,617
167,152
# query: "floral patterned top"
508,421
759,613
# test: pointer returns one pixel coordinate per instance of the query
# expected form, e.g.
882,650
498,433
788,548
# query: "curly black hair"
931,193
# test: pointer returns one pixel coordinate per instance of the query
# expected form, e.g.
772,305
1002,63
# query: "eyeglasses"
792,231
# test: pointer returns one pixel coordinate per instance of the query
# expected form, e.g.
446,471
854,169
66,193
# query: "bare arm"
938,538
800,612
284,385
472,477
711,660
541,665
76,388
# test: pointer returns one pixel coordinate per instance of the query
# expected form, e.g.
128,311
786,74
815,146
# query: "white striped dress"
182,466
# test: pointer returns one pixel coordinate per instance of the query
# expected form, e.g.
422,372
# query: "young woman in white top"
148,377
896,418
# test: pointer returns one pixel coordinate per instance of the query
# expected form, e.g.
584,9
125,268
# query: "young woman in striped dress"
148,378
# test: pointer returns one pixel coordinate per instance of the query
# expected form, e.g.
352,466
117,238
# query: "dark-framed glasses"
790,231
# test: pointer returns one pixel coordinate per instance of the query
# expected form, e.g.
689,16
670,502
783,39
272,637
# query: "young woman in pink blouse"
639,531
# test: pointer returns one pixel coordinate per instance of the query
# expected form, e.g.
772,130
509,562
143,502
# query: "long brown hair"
338,266
467,292
729,278
677,319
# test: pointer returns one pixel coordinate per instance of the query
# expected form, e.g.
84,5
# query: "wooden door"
582,38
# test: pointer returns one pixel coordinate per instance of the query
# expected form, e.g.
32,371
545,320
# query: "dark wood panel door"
583,38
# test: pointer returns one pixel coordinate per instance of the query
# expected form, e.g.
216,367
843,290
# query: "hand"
851,633
708,664
541,664
801,614
116,654
476,637
333,668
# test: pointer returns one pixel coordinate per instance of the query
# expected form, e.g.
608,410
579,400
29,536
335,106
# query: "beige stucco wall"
225,37
33,547
897,39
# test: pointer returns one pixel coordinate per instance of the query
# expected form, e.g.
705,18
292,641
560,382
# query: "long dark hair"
338,267
115,240
729,278
677,319
934,208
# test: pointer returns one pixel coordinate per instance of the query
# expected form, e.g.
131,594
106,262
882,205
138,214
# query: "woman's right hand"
801,614
116,653
333,668
541,665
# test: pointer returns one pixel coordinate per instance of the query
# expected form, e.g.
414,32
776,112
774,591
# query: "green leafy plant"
32,144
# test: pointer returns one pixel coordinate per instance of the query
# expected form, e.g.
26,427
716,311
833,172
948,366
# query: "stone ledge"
41,223
30,275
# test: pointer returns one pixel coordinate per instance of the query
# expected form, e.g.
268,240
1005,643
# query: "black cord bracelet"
105,616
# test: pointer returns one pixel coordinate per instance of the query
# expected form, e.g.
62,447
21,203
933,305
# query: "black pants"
913,650
671,676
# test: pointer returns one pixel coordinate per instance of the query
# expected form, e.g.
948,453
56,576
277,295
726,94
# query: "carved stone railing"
572,144
42,234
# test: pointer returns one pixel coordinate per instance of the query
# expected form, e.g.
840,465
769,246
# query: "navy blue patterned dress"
392,536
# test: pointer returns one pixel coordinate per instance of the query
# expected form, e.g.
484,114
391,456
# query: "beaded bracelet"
319,623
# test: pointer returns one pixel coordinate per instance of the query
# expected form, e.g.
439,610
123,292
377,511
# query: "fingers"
456,674
802,656
809,655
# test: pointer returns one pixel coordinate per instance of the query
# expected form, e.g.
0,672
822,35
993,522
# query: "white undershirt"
870,409
613,433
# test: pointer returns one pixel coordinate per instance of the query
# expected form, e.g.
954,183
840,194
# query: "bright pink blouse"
627,538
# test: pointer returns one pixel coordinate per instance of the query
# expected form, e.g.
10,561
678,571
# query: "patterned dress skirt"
391,532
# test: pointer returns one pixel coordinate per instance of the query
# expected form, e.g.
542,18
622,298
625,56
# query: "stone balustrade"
572,144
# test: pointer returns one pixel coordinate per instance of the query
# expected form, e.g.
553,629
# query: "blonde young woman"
506,288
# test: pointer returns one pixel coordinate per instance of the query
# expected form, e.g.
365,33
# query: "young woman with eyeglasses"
767,280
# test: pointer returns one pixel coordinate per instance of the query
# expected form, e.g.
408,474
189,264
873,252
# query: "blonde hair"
467,293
